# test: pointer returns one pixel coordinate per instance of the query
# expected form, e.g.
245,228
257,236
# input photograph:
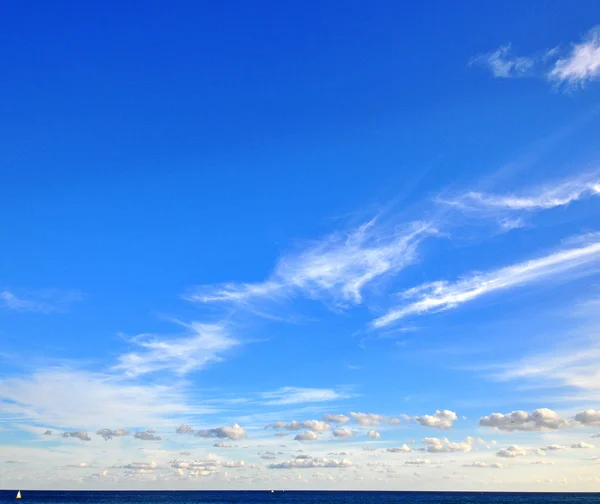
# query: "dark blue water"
289,497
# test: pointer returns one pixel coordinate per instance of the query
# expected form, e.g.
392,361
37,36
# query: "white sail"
19,494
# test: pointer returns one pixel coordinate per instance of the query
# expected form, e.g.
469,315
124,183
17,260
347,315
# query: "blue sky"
316,246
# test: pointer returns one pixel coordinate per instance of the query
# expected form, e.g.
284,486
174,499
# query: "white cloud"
148,466
417,462
538,198
543,462
223,445
484,465
372,419
306,436
81,435
582,64
204,344
110,433
146,436
43,301
337,268
314,425
589,417
542,419
235,432
373,434
440,296
554,447
343,433
503,65
310,463
583,445
337,419
47,397
437,445
400,449
512,451
299,395
440,419
184,429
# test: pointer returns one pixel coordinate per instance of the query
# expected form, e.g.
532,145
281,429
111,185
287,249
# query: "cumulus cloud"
48,432
589,418
306,436
336,269
314,425
484,465
109,433
372,419
542,419
184,429
300,395
83,436
583,445
147,466
554,447
437,445
417,462
223,445
512,451
441,295
233,463
146,436
311,463
400,449
440,419
373,434
203,344
582,64
343,433
503,65
337,419
235,432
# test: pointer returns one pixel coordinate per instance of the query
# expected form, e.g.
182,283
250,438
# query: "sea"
295,497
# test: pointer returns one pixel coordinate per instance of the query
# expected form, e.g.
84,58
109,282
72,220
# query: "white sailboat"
19,494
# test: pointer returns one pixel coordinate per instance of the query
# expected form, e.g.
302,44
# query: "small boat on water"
18,494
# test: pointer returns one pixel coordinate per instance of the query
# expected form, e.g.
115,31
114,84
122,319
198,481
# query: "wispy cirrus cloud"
203,344
575,67
65,398
336,269
504,65
440,296
300,395
542,197
42,301
582,64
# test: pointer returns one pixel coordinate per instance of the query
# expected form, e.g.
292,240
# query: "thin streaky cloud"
538,198
582,64
503,65
336,269
43,301
204,344
299,395
442,295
